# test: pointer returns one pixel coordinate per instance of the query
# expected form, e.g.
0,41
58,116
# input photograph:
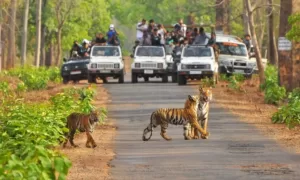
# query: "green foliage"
207,82
30,131
294,33
273,92
234,83
35,78
290,113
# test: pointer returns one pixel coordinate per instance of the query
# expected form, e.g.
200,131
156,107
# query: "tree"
284,57
250,10
11,35
0,39
24,33
272,49
222,16
38,32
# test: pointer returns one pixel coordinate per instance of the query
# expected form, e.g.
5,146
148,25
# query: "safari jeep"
149,61
197,62
233,57
106,61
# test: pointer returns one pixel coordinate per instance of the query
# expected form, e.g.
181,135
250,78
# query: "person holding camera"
140,29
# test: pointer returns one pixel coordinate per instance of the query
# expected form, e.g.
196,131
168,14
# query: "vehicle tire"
91,79
134,78
165,78
104,79
174,78
65,80
75,81
146,79
121,78
181,80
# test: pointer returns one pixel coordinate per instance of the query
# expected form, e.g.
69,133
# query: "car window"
150,51
197,52
232,49
106,51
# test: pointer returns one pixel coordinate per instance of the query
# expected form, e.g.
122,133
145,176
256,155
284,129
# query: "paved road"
235,150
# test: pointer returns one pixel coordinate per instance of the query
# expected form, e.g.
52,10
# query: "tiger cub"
84,123
182,116
205,96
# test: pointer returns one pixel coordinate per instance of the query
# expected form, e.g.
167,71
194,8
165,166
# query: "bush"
273,92
29,133
36,78
290,113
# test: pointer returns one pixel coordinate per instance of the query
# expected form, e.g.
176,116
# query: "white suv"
197,62
106,61
149,61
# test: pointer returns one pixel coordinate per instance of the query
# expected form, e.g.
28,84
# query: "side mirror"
131,55
65,60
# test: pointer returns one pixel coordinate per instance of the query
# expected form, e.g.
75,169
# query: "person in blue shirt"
112,36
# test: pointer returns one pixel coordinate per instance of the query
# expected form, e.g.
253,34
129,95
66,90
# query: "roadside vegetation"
30,132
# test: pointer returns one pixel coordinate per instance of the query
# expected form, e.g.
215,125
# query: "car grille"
148,65
78,66
198,66
240,64
105,66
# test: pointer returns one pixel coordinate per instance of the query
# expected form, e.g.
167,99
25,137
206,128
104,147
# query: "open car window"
106,51
197,52
150,51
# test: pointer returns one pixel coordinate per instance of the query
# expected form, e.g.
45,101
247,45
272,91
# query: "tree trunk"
11,35
272,52
24,34
49,55
58,55
43,48
222,23
1,20
284,57
256,45
296,54
38,32
246,19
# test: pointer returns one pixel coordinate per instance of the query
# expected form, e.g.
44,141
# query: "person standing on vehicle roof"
151,26
201,38
180,27
161,31
76,49
247,42
112,36
140,29
100,40
155,38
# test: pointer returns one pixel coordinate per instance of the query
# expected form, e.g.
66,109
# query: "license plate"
104,71
239,71
148,71
75,72
195,72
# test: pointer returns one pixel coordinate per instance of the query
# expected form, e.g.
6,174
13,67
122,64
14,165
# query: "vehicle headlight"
137,65
94,65
116,66
66,68
160,65
183,66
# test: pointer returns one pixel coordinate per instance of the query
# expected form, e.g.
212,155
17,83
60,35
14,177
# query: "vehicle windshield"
232,49
150,51
105,51
196,52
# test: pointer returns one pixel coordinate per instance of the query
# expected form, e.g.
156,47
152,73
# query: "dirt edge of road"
90,163
251,109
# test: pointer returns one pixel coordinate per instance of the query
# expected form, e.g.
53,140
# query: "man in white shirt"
180,27
140,28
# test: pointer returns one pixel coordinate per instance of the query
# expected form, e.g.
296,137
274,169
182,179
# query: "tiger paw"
88,146
94,146
187,138
196,137
75,146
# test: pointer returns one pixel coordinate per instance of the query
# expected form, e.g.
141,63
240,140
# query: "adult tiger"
182,116
205,95
84,123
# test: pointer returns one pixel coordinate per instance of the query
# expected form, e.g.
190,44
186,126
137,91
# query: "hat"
111,26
